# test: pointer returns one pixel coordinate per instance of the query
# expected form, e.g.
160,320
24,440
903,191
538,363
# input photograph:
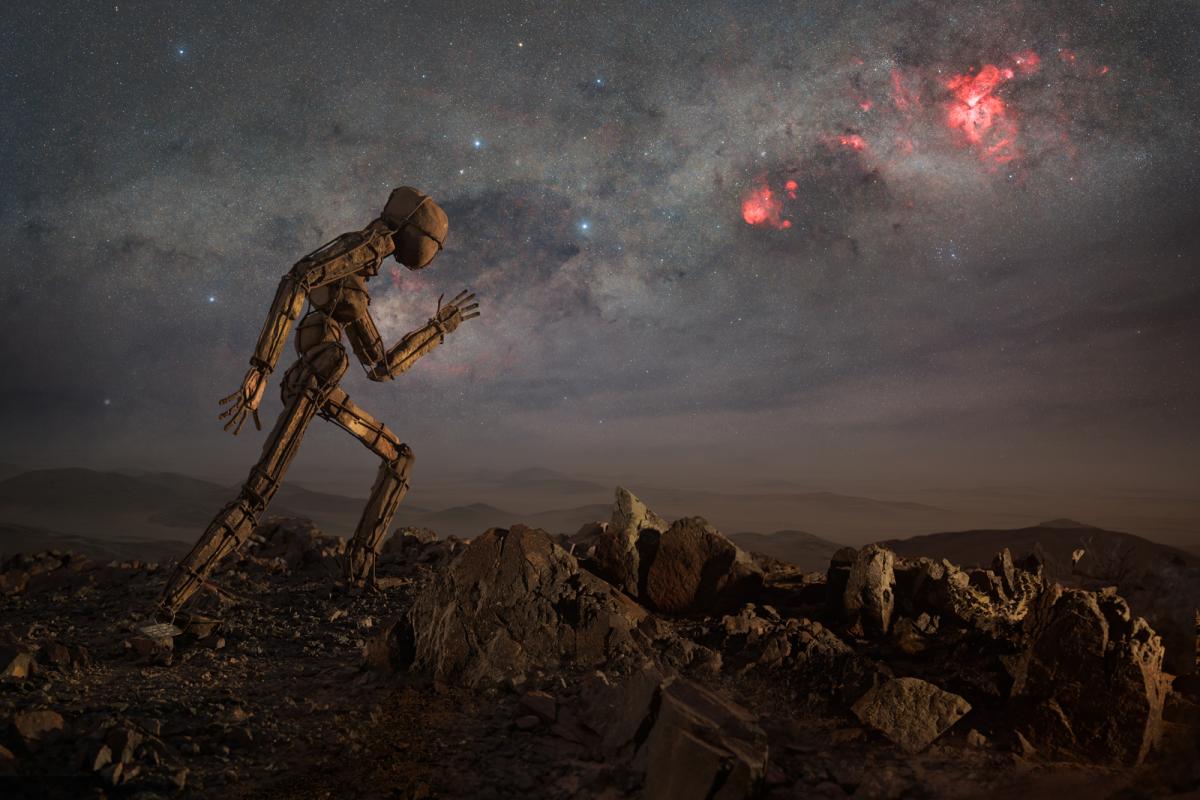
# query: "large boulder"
911,712
1089,681
513,601
623,549
698,569
869,597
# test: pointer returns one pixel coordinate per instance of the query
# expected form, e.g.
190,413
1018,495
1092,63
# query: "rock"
16,663
909,711
527,722
621,553
701,745
869,597
976,739
907,637
8,762
513,601
408,539
803,652
37,726
990,603
123,743
542,704
153,649
1090,679
101,758
298,542
698,569
679,738
113,773
583,544
837,576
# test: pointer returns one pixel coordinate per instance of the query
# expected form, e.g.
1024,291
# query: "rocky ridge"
639,658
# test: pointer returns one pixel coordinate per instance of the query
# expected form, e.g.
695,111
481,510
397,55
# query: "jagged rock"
625,548
911,712
698,569
37,726
991,603
1090,681
869,596
801,650
512,601
682,739
298,542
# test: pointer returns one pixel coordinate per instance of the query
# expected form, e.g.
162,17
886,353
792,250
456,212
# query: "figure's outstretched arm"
384,366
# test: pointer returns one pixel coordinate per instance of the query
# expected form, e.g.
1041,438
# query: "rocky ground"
639,658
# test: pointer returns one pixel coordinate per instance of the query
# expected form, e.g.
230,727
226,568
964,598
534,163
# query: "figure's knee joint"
402,463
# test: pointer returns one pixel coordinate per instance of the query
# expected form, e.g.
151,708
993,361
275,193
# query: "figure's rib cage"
342,257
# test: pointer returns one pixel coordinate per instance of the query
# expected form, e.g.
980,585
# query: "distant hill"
22,539
810,553
1054,541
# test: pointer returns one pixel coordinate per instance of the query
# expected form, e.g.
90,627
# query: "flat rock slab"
911,712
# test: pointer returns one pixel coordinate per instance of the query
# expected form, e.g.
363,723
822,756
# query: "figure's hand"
245,401
457,310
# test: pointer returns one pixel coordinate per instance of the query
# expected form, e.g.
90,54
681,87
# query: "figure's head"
421,226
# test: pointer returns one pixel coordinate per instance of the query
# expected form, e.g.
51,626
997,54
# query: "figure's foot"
358,570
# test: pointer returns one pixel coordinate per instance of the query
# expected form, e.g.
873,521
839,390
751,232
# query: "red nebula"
852,141
982,115
790,187
1027,62
761,207
902,96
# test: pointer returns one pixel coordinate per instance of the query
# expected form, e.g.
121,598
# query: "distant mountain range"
810,553
1105,553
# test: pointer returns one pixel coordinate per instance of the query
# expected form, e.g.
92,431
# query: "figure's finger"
227,412
471,307
241,422
470,316
225,400
458,298
257,424
232,421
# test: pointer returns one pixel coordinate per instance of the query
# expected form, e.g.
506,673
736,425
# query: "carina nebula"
924,242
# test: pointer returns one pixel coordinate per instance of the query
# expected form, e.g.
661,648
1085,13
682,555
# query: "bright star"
478,143
212,298
585,225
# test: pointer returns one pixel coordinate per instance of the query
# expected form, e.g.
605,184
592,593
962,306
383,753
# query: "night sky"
830,242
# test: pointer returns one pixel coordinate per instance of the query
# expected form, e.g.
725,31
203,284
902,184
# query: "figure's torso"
333,306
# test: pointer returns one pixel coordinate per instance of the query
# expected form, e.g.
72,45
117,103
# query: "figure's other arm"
384,366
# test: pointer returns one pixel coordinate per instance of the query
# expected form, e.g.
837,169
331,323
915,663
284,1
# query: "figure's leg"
305,387
391,483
